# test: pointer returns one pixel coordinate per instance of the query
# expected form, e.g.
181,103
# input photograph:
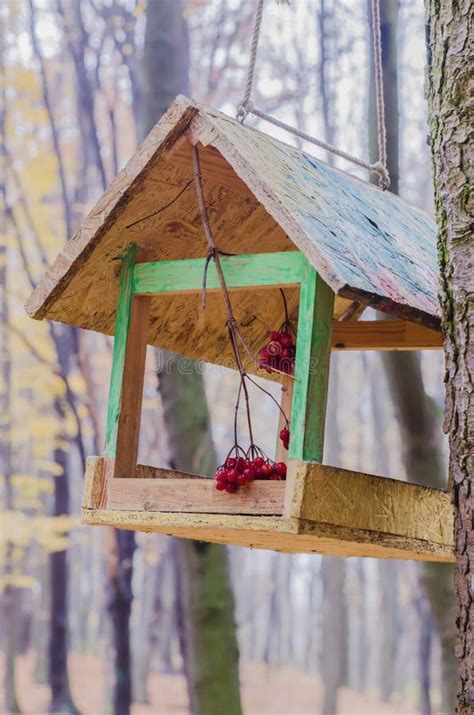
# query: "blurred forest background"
95,621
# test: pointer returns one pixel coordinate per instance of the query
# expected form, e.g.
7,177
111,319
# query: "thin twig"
208,232
243,375
250,379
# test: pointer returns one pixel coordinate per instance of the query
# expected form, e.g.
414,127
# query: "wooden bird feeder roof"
263,196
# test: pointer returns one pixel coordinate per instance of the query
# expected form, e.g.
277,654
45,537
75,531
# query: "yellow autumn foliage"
18,529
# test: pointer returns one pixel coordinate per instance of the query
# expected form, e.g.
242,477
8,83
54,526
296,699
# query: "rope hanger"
247,107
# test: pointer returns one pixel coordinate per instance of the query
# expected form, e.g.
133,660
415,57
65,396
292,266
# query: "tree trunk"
10,595
388,570
416,413
334,641
120,597
205,598
61,701
449,85
426,626
206,602
334,631
165,59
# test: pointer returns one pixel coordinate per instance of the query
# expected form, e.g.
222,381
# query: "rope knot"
243,110
382,172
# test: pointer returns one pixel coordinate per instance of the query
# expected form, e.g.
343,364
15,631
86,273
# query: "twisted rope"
376,168
246,106
242,109
378,77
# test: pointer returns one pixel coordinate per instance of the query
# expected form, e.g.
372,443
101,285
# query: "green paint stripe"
122,323
313,349
261,269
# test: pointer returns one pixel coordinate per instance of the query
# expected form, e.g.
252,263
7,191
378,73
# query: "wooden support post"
128,432
313,351
128,368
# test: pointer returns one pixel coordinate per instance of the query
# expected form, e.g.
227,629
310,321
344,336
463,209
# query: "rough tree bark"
416,413
450,86
206,604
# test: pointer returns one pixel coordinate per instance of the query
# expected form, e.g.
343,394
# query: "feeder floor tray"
331,511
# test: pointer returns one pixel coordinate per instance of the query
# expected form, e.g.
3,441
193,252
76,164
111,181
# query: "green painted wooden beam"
248,271
122,323
313,351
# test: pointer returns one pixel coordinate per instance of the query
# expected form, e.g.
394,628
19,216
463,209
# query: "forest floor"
265,691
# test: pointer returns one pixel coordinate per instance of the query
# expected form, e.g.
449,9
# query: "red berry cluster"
238,471
278,353
285,437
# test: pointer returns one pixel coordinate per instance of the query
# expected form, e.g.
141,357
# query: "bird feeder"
334,244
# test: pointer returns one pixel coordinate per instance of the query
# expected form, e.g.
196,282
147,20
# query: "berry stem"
287,422
236,413
243,376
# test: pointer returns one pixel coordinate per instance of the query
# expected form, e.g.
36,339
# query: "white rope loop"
246,107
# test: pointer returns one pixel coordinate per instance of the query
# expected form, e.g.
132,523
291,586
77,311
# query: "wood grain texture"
384,335
275,533
340,512
129,418
94,488
355,500
193,495
263,196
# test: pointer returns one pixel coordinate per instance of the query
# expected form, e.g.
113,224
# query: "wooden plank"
128,432
384,335
122,322
94,492
194,495
356,500
313,350
243,271
393,519
272,532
